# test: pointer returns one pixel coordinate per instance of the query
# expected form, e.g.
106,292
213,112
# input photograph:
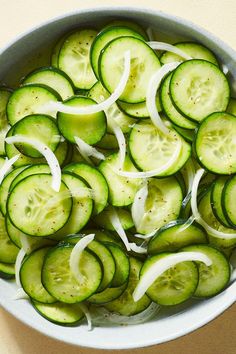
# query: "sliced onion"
153,86
95,108
149,31
25,243
20,294
156,171
19,260
210,230
46,152
121,141
87,150
225,69
103,316
76,256
87,314
169,48
6,167
162,265
187,223
146,236
138,206
137,249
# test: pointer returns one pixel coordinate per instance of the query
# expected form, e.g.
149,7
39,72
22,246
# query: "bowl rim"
123,10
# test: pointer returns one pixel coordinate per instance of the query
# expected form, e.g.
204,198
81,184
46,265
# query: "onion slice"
46,152
7,166
156,171
169,48
153,86
115,221
162,265
138,206
76,256
225,69
19,260
95,108
210,230
87,150
103,316
87,314
121,141
146,236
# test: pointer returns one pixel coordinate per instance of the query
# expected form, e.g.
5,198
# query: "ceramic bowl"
33,48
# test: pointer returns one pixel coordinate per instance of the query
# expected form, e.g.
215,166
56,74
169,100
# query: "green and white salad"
117,177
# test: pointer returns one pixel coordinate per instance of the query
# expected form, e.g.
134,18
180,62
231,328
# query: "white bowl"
18,58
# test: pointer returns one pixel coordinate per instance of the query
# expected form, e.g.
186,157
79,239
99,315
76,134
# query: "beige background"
217,16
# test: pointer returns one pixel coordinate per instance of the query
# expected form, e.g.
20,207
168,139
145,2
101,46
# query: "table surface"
217,16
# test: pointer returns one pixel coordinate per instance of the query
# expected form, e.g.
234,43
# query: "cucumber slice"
103,38
214,144
122,265
132,25
81,209
56,51
125,305
151,149
198,88
74,58
60,282
98,93
8,250
28,100
7,271
216,200
5,187
187,134
5,93
138,110
175,285
170,110
103,219
121,189
212,279
163,204
194,50
31,280
52,77
60,313
228,201
29,171
11,151
96,181
108,142
144,63
89,127
172,237
107,295
36,209
206,212
38,126
232,106
104,255
104,236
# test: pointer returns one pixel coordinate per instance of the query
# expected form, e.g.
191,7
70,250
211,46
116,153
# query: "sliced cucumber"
163,204
170,110
8,250
113,113
29,171
30,99
52,77
89,127
60,282
122,264
5,93
107,295
187,134
129,24
212,279
198,88
121,189
228,201
81,209
232,106
175,285
138,110
37,125
60,313
103,219
144,63
173,236
104,236
216,200
31,280
74,58
125,304
36,209
7,270
108,142
215,145
151,149
194,50
96,181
